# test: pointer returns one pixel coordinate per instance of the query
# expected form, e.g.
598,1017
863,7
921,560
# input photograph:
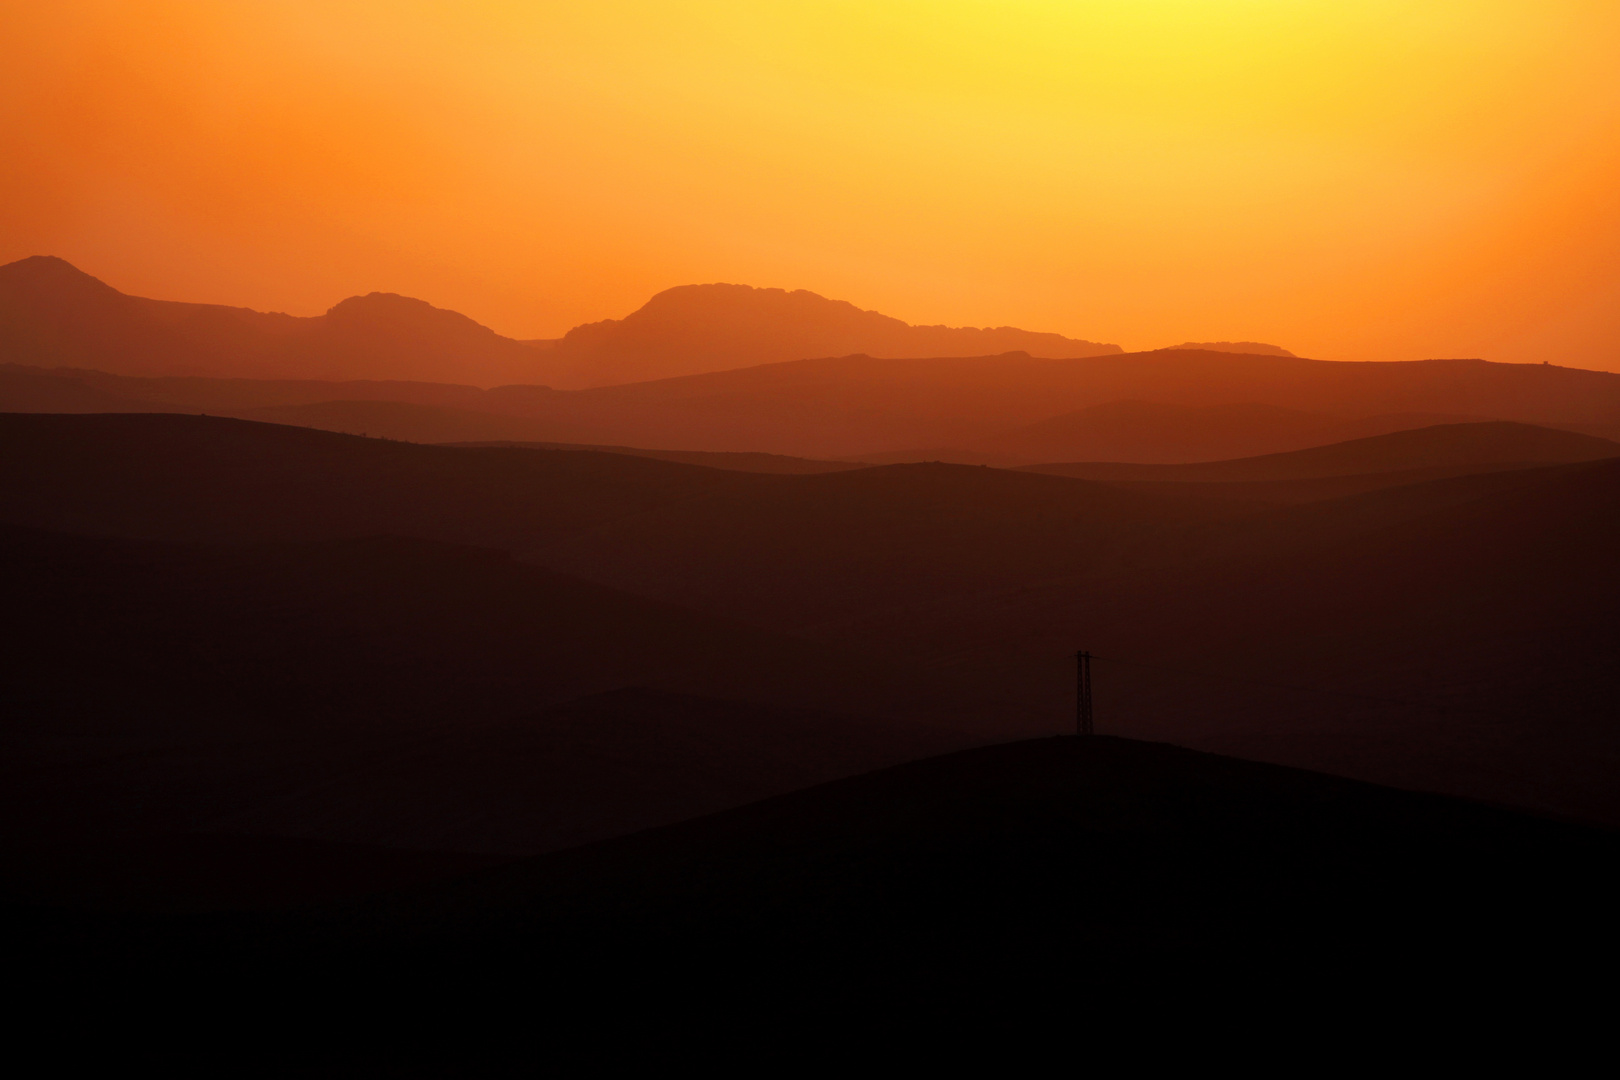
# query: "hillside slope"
394,693
881,410
1023,877
1431,447
1149,432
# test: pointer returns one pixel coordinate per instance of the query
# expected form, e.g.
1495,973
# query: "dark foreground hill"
1455,636
1452,635
1063,870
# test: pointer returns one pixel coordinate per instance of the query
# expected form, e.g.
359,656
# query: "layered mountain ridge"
55,315
692,329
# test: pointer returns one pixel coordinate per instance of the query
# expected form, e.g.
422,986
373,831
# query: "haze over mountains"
53,315
1253,348
69,343
697,328
1165,407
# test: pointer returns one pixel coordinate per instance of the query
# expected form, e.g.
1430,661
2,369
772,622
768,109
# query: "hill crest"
693,329
54,315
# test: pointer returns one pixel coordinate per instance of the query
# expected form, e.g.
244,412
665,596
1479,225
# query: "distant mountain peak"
42,264
381,301
1248,348
53,314
40,275
692,329
402,313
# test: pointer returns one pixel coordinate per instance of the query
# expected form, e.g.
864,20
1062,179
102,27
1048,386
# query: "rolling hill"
1005,410
741,462
1469,445
1146,432
1450,635
168,477
991,886
390,694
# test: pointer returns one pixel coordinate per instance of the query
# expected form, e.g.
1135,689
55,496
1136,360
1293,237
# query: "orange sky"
1368,180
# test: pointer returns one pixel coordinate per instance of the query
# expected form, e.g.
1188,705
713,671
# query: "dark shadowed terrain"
1056,870
391,718
389,694
1453,634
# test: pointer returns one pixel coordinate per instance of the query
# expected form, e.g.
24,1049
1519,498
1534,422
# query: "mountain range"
54,315
68,343
698,328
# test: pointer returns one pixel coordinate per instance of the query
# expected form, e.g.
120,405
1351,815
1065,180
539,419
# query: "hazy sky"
1361,180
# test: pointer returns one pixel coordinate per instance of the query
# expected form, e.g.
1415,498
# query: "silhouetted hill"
878,410
1142,431
973,851
190,872
812,551
1453,635
54,315
858,406
411,422
197,394
394,693
1474,445
700,328
740,462
206,478
1253,348
38,390
893,532
1087,869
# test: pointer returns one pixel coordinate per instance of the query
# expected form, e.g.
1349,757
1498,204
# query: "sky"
1360,181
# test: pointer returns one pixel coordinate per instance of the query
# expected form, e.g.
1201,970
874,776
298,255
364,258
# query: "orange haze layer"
1376,180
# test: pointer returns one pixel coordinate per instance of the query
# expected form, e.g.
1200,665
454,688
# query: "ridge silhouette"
54,315
692,329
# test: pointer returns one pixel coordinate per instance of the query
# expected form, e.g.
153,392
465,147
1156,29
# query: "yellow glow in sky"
1375,180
